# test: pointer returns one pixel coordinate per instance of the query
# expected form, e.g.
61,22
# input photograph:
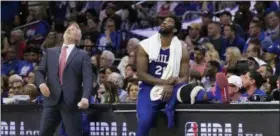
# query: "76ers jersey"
156,67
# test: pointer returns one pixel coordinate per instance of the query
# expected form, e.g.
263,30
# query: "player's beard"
165,32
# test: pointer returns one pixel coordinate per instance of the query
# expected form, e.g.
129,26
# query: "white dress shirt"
68,50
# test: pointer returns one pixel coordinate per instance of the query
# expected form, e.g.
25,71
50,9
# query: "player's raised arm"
142,69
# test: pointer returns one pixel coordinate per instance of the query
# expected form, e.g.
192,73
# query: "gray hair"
15,78
117,79
134,40
110,56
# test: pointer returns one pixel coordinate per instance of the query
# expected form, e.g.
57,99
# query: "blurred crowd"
245,46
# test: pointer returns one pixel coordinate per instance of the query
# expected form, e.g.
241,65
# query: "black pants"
52,116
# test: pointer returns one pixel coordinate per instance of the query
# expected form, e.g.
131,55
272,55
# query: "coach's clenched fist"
45,90
83,104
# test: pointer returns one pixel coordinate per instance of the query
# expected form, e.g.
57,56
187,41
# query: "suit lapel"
57,53
71,56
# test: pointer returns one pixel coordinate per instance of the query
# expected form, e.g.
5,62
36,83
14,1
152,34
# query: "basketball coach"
65,80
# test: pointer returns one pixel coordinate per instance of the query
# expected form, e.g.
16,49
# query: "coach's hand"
45,90
167,92
83,104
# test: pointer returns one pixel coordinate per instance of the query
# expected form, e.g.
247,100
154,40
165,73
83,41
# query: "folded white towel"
152,47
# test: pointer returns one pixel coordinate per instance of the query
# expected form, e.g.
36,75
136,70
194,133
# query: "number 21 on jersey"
159,70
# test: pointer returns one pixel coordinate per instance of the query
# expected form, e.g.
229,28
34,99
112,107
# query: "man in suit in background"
65,79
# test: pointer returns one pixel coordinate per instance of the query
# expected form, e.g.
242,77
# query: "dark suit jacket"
77,77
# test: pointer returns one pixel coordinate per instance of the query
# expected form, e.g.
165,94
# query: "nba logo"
191,129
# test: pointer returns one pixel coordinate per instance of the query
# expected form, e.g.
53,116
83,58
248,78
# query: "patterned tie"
62,62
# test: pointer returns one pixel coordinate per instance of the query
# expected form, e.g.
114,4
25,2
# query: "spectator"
214,33
95,60
101,76
276,92
91,14
131,46
89,44
212,55
255,31
31,90
10,63
225,19
17,40
130,73
206,18
234,86
193,38
30,78
273,26
210,71
132,91
271,57
32,61
199,64
110,39
252,81
110,70
255,63
233,38
17,88
110,14
195,77
243,12
266,72
129,18
4,86
254,49
107,59
38,31
107,93
50,41
92,27
231,71
118,80
233,55
12,79
262,7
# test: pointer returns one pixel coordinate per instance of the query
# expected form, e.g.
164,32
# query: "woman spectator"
199,64
212,55
132,91
233,55
108,93
130,72
95,60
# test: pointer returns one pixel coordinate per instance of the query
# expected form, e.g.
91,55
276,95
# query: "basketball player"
150,72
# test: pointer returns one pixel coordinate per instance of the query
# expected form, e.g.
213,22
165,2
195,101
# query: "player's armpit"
184,67
142,69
